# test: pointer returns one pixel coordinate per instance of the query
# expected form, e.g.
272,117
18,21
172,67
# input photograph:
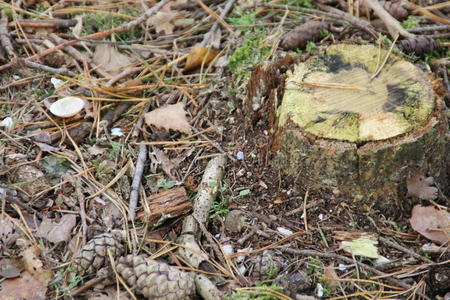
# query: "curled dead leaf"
170,117
330,276
198,56
57,232
432,223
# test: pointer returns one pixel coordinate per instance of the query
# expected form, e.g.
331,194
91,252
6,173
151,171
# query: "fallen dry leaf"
330,276
13,289
421,187
170,117
162,21
198,56
57,232
10,267
8,232
34,266
110,60
432,223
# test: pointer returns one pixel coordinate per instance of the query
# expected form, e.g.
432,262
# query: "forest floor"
163,97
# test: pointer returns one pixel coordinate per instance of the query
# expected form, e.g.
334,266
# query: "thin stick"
216,16
305,218
136,184
40,67
394,27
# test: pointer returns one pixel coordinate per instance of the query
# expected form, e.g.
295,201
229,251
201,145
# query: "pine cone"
156,280
94,255
418,45
301,35
397,9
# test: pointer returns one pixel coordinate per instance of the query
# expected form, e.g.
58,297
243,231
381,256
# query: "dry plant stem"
394,27
4,36
136,184
122,28
36,66
223,14
405,250
203,201
351,261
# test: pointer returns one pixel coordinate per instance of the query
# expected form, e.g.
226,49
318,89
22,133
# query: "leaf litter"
164,82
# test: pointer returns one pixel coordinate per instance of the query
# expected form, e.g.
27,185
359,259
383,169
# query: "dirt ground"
67,184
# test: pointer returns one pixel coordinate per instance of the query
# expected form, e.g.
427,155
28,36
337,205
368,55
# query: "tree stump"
349,125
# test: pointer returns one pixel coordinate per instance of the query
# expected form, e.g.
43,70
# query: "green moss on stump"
361,141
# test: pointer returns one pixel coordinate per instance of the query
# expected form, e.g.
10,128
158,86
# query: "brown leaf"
10,268
8,232
57,232
34,266
330,276
162,21
13,289
432,223
170,117
198,56
111,60
421,187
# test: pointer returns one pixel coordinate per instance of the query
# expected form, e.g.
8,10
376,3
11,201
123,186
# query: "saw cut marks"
336,95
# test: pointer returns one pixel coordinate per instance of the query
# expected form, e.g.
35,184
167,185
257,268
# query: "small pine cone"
94,255
418,45
156,280
301,35
396,9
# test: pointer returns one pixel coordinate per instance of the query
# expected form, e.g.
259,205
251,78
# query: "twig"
122,28
82,209
223,14
44,23
406,250
88,285
203,201
4,36
136,184
394,27
430,28
216,16
36,66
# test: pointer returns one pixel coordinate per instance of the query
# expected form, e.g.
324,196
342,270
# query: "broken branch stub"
348,125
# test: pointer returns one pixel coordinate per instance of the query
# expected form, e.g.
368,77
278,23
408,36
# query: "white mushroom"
67,107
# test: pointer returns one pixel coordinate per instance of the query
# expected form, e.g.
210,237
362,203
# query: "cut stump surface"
358,121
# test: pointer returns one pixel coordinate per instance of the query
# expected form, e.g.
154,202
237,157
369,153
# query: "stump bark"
349,125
